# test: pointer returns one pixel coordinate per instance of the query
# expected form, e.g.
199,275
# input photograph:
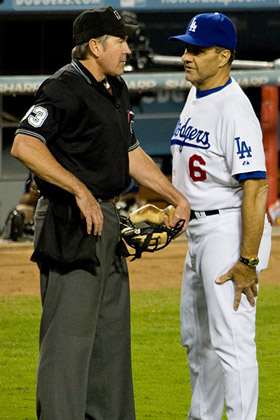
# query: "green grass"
161,378
19,328
159,362
268,345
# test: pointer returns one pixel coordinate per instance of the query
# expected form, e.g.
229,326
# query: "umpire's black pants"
84,369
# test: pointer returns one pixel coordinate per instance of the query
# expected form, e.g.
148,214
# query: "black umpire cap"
97,22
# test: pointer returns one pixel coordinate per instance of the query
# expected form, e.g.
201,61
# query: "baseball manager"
219,164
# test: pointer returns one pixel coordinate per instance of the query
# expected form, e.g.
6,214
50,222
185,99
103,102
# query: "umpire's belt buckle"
114,200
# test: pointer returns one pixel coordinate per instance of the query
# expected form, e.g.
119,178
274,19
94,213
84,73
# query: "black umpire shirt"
87,130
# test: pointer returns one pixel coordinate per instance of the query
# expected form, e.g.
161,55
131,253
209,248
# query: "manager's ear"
224,57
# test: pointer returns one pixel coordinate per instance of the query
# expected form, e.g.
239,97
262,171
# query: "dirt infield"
163,269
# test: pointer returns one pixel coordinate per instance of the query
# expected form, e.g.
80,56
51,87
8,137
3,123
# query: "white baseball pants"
219,341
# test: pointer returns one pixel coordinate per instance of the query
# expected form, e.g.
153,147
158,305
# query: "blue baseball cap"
209,30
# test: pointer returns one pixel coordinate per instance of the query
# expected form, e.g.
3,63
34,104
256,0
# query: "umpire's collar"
83,71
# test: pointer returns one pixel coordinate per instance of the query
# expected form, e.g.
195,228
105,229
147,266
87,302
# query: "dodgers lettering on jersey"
188,135
217,137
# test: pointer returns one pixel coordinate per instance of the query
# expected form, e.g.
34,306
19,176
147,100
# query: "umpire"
78,140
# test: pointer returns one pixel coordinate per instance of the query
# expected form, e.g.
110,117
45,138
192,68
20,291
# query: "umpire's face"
112,54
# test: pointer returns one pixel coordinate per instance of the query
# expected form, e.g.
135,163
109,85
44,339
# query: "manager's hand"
245,281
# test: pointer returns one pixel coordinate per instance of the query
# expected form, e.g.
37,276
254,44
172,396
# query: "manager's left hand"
182,212
245,280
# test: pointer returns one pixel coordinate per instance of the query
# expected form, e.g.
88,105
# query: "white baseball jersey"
216,144
209,152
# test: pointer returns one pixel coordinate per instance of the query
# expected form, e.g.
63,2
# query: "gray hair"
232,53
82,52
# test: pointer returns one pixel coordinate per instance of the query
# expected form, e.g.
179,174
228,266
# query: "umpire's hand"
245,280
91,211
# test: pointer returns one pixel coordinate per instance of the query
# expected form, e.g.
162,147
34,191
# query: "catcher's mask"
147,237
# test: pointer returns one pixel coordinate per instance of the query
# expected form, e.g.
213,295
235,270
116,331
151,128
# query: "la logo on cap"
209,30
193,26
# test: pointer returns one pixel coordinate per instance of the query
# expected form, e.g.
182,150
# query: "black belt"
100,200
109,200
202,214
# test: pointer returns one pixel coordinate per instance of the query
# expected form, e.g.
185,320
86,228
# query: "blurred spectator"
19,225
